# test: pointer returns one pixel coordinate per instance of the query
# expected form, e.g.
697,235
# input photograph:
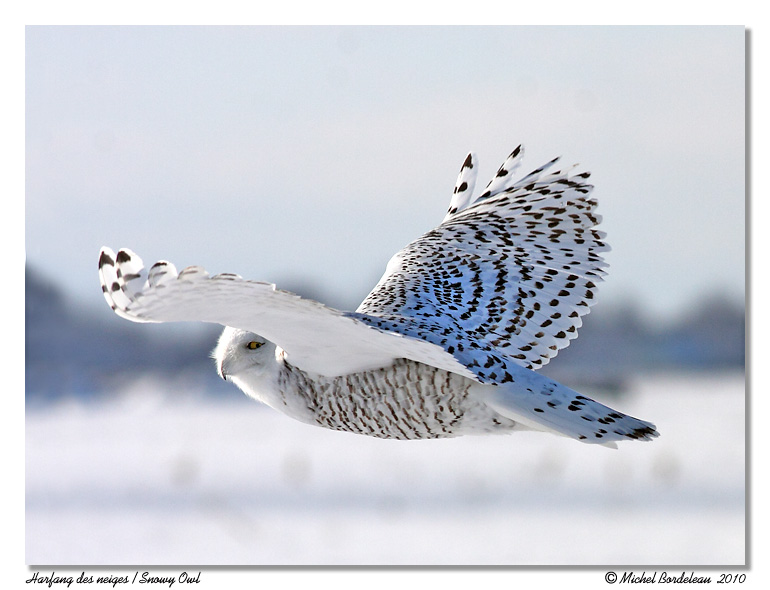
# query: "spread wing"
505,278
315,337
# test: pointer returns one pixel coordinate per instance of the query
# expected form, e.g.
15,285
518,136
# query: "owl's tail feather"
543,404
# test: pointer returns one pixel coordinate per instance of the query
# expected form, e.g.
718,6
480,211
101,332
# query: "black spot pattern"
464,186
405,401
505,279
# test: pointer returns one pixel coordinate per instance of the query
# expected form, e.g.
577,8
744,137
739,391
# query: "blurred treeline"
71,352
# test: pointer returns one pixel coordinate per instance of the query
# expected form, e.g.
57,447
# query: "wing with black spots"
466,181
505,278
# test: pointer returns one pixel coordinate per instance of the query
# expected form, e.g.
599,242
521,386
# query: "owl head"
242,355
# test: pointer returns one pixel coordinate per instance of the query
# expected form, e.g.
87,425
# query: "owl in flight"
447,343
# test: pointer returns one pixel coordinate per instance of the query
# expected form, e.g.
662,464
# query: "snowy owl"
447,343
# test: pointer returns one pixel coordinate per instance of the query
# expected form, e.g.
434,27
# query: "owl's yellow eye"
253,345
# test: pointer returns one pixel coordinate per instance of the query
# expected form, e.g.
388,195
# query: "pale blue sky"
310,155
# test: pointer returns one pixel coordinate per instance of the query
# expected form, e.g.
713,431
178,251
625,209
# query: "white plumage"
446,343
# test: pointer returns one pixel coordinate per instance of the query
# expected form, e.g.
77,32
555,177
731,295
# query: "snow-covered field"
157,477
